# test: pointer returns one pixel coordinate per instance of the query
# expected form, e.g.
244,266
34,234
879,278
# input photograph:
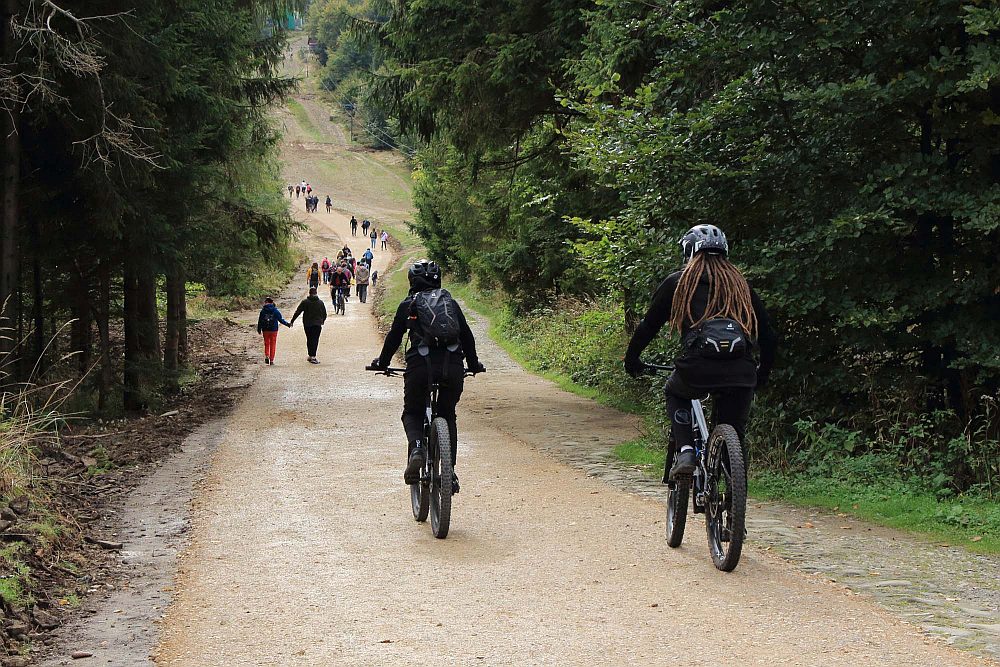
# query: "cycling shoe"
684,464
414,465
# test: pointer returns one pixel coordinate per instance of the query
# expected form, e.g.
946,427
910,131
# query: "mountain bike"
432,494
719,486
339,304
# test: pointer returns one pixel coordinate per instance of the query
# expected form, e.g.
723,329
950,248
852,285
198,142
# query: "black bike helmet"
708,238
424,275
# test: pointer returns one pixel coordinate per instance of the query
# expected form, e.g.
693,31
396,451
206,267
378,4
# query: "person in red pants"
267,326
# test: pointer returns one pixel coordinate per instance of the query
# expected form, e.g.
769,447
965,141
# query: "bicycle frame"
700,431
700,424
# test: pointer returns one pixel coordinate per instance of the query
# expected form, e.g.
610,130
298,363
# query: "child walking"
267,326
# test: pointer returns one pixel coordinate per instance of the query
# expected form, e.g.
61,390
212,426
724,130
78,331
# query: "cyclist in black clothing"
709,288
446,364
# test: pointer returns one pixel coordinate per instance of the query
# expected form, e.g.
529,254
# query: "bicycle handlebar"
395,371
660,367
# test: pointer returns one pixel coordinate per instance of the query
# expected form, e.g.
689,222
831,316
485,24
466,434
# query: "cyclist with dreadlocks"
719,318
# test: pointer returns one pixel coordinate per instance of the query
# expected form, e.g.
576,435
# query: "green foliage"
823,153
493,185
157,160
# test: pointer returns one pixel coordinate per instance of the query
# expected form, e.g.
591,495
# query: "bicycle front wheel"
726,508
441,475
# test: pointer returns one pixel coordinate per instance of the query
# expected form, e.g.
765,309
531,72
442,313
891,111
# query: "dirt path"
304,552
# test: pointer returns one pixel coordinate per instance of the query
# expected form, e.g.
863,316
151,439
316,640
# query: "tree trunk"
103,316
180,284
149,319
171,343
10,170
83,320
132,397
37,300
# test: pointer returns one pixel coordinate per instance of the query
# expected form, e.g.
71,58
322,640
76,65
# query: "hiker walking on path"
374,278
365,224
385,239
267,326
361,277
325,266
354,226
312,276
329,204
298,190
290,190
374,237
313,313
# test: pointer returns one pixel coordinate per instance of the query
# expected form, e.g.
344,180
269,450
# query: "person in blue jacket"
267,326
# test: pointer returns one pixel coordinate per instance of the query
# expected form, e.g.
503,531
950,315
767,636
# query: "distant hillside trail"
303,550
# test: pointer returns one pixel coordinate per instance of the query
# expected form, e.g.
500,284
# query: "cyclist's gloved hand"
376,363
634,366
477,367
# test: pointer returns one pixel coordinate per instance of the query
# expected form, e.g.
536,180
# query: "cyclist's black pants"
731,405
415,389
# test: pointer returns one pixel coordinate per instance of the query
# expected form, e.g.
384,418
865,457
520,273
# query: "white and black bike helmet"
707,238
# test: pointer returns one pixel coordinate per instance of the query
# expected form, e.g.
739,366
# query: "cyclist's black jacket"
400,324
696,371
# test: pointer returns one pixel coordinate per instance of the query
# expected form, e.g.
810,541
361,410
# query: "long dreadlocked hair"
728,295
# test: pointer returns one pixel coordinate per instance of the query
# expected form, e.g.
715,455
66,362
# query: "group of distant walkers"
312,201
340,275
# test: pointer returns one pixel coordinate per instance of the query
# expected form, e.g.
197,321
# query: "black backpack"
267,319
718,338
435,315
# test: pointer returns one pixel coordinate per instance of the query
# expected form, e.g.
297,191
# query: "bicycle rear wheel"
677,509
726,509
420,497
441,474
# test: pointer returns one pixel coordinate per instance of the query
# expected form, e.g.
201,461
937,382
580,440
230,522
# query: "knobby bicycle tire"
725,512
441,472
677,510
420,498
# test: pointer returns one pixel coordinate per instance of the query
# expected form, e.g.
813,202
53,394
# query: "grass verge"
568,345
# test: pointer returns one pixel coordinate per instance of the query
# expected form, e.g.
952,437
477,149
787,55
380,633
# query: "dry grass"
30,418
